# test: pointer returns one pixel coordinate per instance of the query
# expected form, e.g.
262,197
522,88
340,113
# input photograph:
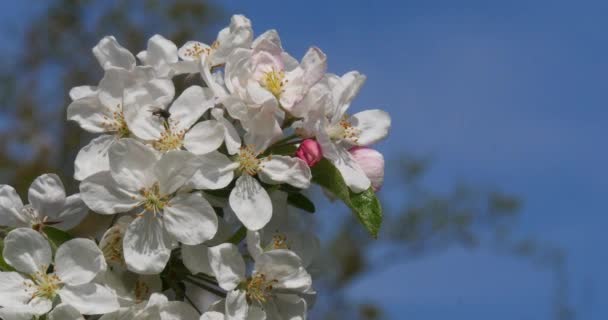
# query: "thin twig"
215,291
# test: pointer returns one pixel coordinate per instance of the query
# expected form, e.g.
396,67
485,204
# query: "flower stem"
203,286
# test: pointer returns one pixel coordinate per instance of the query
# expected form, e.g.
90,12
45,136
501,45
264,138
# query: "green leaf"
300,201
368,210
238,236
56,236
365,205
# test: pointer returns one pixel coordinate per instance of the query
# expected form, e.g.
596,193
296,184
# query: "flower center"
112,250
117,124
274,82
197,50
343,130
259,289
248,161
153,201
279,241
169,140
45,285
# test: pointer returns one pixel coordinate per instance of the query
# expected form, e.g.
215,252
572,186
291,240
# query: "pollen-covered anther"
112,250
274,81
153,201
248,161
259,289
279,241
169,140
197,50
344,130
44,285
117,123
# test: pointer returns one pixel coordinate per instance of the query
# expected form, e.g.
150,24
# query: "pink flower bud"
310,152
372,163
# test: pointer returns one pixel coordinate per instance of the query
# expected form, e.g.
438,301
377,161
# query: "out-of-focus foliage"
35,138
430,222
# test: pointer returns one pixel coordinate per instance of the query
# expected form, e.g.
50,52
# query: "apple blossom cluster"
201,156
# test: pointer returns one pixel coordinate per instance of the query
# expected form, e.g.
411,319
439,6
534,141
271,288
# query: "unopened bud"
372,163
310,152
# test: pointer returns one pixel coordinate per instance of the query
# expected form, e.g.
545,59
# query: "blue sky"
508,94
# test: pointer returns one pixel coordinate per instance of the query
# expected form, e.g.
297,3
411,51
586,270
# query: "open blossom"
337,132
264,81
113,106
274,289
31,290
283,232
147,184
48,206
248,199
158,307
237,35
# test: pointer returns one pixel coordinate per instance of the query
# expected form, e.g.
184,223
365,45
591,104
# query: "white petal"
373,126
47,194
90,298
65,312
174,169
231,136
192,50
250,202
93,157
27,251
72,213
157,299
345,90
353,175
227,265
82,92
132,164
102,194
236,305
212,315
147,246
238,35
111,54
138,109
13,289
90,114
190,106
78,261
196,259
254,243
10,207
285,267
178,310
17,313
160,54
190,219
285,169
288,307
301,79
112,87
204,137
216,172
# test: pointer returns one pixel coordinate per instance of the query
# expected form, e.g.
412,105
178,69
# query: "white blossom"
48,206
141,180
31,290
